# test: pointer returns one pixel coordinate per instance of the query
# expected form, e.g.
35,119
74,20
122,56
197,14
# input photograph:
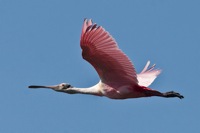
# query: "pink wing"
101,51
148,75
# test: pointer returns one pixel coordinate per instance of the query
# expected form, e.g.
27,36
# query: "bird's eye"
68,86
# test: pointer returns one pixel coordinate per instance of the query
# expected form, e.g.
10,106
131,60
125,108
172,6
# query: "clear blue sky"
39,44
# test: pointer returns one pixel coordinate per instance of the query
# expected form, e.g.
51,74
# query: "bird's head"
59,87
63,86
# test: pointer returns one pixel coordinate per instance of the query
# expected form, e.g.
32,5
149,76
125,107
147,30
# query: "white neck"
94,90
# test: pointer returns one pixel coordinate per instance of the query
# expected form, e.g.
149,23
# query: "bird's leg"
170,94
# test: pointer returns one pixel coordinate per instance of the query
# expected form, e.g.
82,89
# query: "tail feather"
148,75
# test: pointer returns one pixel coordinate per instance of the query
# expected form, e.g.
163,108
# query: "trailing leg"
170,94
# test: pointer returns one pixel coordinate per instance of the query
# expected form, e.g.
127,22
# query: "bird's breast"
116,93
122,92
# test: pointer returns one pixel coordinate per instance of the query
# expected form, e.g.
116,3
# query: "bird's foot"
172,94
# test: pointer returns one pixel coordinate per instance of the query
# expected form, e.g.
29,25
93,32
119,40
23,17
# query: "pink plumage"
102,52
115,69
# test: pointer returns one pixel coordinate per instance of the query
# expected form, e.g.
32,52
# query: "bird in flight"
118,78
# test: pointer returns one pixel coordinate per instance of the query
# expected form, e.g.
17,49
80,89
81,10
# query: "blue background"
39,44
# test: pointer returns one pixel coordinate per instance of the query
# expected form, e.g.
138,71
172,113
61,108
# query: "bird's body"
118,78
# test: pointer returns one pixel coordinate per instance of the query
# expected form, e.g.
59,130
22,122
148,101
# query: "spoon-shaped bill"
41,86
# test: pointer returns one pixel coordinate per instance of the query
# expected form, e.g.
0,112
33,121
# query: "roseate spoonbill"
118,78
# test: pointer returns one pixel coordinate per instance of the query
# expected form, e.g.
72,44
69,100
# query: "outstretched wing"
101,51
148,75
